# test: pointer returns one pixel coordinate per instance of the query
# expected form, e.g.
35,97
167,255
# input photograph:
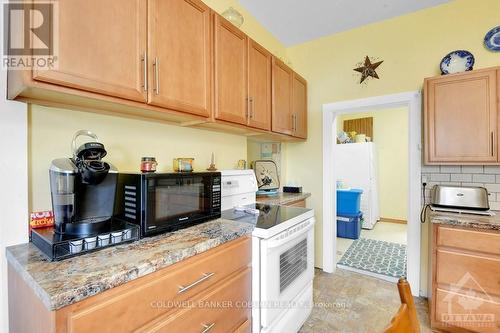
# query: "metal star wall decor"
368,69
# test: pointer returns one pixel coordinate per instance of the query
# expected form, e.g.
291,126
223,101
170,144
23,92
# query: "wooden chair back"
405,320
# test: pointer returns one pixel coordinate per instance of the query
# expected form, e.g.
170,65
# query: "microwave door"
175,201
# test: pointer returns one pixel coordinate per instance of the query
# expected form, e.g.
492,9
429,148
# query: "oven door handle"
277,241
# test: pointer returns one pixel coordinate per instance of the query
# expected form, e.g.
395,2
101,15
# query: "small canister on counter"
183,164
148,164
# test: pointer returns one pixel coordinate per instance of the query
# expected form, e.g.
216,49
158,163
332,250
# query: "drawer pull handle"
205,276
207,328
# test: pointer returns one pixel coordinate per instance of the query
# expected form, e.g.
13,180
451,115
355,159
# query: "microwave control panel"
216,193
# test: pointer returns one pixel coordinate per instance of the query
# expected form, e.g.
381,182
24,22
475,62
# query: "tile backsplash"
485,176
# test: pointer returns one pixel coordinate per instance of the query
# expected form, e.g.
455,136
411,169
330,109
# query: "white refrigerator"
356,167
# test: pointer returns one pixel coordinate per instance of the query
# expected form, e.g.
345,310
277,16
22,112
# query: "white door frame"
412,100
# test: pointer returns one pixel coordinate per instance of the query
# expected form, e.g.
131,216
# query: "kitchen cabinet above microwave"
175,61
461,118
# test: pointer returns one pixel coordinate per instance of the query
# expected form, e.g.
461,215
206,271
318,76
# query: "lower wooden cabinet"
209,289
220,309
464,280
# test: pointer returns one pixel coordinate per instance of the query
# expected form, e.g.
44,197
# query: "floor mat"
383,259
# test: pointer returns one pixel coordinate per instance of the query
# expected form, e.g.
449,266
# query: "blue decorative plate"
492,39
456,62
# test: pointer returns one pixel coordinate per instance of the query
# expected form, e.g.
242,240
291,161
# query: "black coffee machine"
83,189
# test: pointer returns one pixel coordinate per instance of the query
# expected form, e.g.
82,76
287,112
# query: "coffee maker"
83,189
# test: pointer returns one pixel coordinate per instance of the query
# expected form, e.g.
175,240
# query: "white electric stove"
282,254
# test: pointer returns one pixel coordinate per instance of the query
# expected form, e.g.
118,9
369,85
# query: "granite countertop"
65,282
466,220
282,198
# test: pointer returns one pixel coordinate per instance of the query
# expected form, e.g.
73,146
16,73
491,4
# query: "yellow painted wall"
390,133
250,26
127,140
411,46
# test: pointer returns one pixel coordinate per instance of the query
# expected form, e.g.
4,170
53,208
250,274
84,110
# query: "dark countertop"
59,284
282,198
466,220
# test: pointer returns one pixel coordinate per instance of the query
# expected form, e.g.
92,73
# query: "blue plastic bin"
349,225
348,201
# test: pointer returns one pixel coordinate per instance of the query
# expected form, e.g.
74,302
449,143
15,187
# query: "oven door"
176,201
287,268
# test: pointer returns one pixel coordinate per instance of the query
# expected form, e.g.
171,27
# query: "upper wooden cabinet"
461,118
167,60
231,100
282,98
289,113
259,86
101,48
299,106
180,55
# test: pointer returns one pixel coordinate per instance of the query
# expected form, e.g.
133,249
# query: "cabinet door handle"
207,327
145,71
492,144
247,110
156,65
204,277
251,107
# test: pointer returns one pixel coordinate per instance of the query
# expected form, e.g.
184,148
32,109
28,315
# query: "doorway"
371,162
331,114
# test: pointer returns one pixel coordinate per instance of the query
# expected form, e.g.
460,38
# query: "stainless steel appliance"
163,202
474,198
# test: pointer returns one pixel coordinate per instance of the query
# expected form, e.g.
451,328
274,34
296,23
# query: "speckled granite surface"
466,220
62,283
283,198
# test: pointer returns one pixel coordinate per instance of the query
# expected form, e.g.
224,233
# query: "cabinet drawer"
476,314
482,241
468,271
138,302
224,308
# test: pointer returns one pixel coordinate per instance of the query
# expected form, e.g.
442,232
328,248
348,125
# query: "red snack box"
41,219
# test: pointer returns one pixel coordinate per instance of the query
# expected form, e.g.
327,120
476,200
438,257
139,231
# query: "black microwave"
163,202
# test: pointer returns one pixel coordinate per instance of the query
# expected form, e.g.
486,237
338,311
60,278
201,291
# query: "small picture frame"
267,176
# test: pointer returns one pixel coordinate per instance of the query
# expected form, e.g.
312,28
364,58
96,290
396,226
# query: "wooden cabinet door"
101,47
231,70
259,86
180,55
461,118
299,106
282,98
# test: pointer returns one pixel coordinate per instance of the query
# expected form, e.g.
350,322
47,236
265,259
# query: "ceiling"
297,21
